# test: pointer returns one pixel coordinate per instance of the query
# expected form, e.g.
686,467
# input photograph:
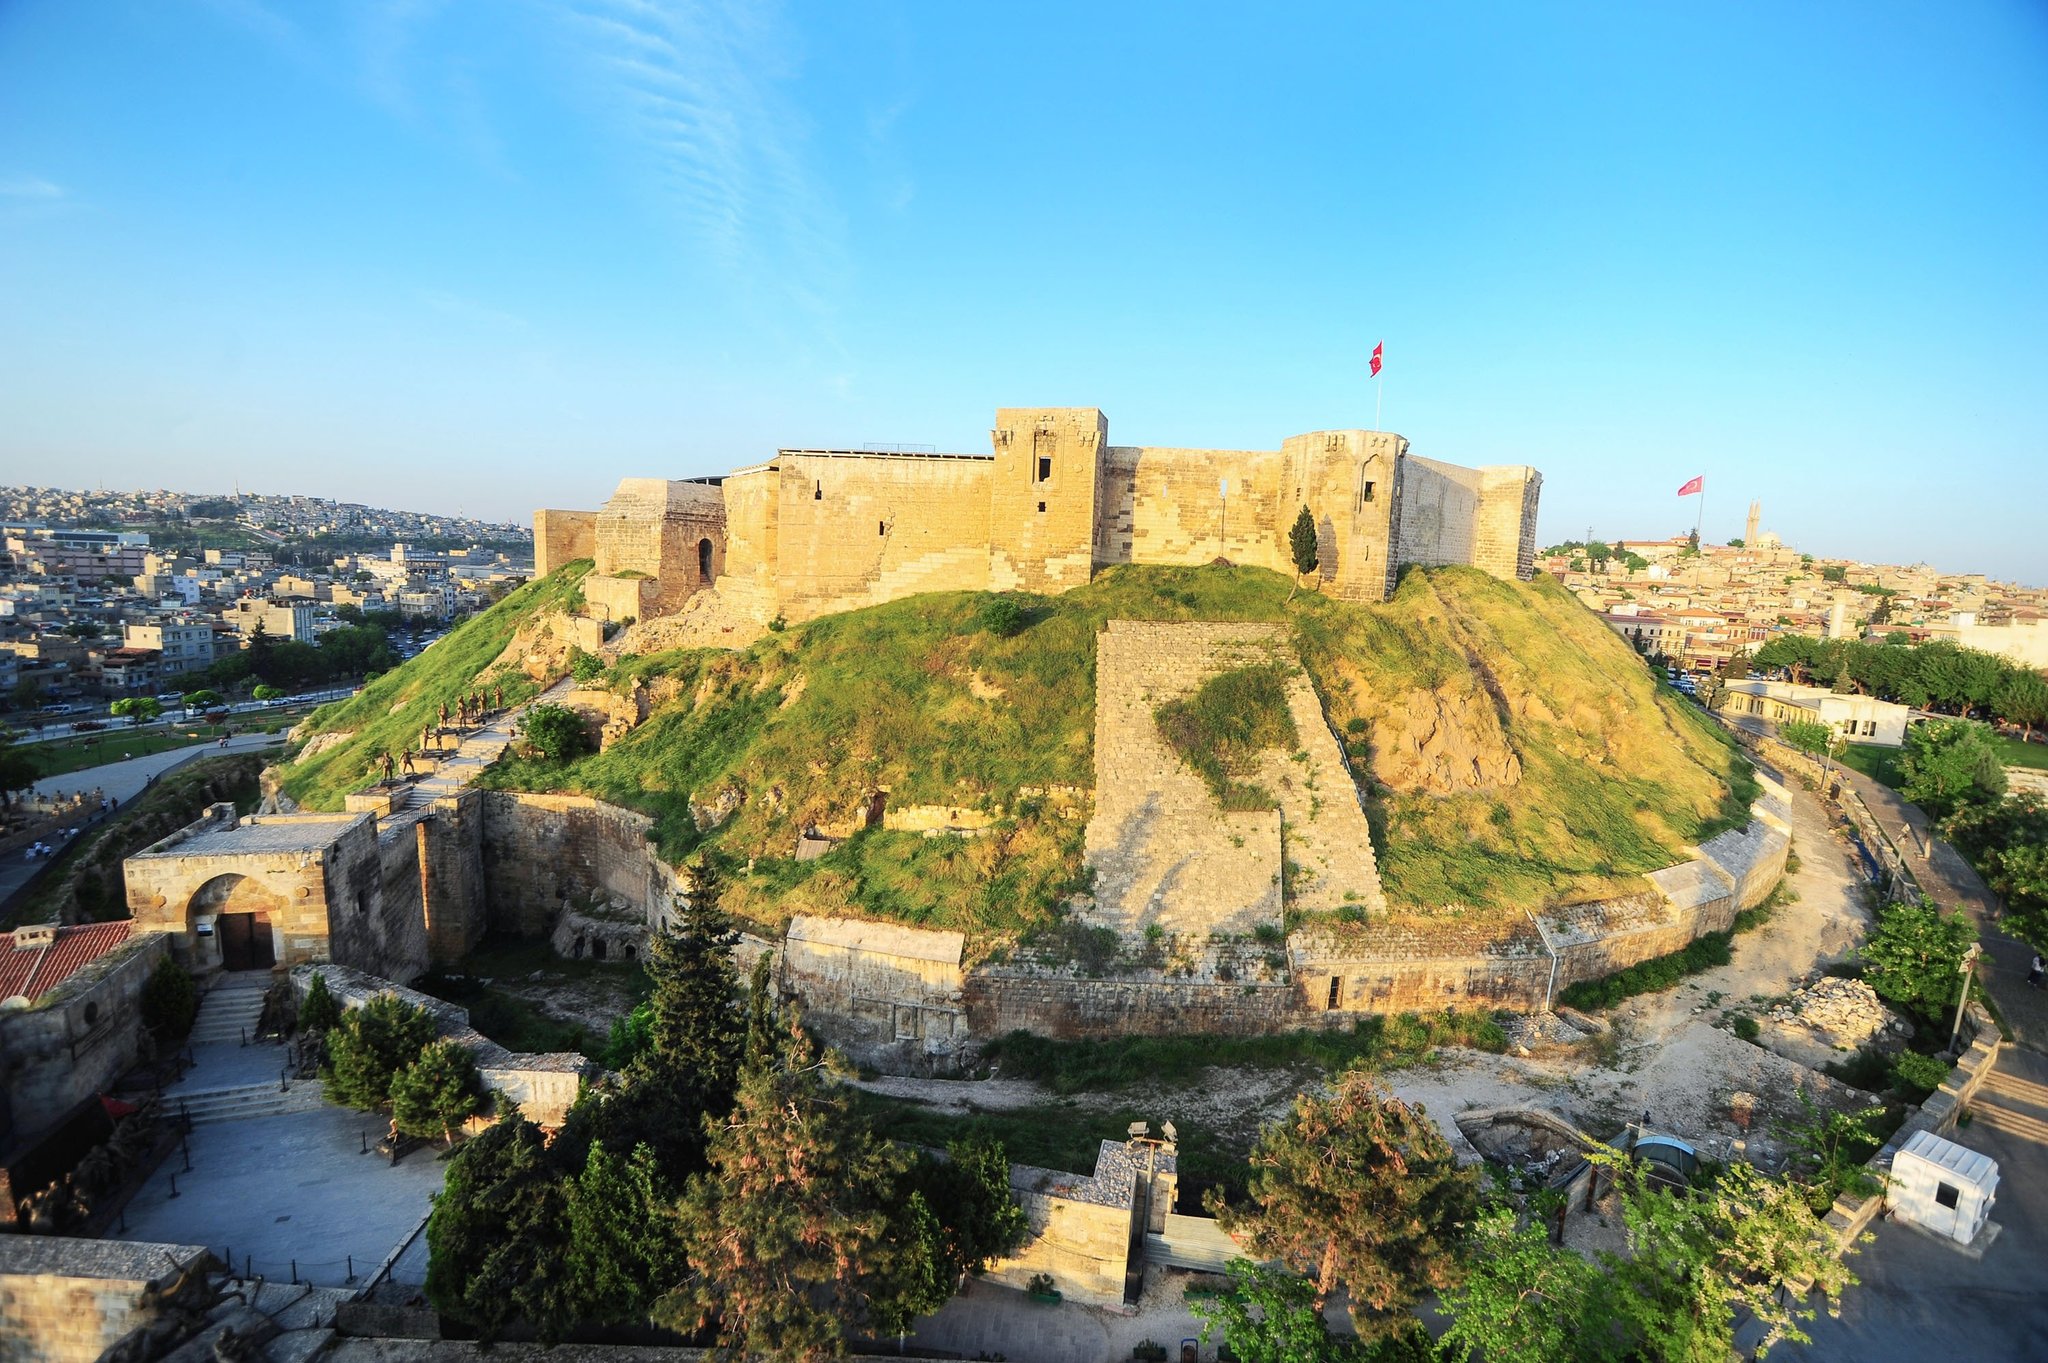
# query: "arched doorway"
240,917
703,561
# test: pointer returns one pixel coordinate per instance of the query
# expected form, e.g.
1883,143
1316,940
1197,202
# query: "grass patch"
1648,977
1879,764
388,714
2014,752
510,1021
1221,729
1378,1042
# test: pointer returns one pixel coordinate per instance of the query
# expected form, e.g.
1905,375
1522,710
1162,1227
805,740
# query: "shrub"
437,1092
1221,729
1000,614
318,1012
170,1000
554,732
1918,1074
585,667
368,1048
1913,958
1747,1027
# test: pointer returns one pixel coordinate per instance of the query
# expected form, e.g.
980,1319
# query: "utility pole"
1967,970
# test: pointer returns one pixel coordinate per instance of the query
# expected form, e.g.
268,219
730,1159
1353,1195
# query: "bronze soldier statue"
384,760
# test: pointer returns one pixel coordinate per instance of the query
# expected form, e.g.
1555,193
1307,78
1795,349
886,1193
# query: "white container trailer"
1942,1187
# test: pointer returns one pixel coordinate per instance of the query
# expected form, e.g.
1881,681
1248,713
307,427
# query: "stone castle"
811,532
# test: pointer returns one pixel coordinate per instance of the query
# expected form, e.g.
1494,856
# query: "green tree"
2022,699
1302,547
787,1230
585,667
1835,573
625,1246
170,1001
138,710
498,1238
695,1029
554,732
1829,1149
1737,1245
1950,763
206,698
915,1281
1914,957
437,1092
368,1048
1525,1300
970,1191
1270,1315
18,771
318,1012
257,693
1359,1191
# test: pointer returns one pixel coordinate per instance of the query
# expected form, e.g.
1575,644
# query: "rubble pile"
1844,1013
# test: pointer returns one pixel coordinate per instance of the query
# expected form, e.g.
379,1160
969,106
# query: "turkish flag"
1378,348
1694,486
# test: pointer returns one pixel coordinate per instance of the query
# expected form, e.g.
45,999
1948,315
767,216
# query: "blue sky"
483,257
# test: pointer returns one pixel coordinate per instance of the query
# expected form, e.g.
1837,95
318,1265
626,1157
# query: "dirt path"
1671,1054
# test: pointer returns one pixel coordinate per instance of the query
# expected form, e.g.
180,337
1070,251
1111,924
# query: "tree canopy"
1948,764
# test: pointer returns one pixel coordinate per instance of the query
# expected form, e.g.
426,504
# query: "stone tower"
1042,502
1756,513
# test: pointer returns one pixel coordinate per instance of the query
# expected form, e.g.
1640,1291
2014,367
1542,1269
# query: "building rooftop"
32,963
264,833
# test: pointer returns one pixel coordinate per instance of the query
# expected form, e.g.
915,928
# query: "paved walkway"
1921,1300
1953,883
476,750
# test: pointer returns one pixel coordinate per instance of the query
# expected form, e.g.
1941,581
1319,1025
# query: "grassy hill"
388,714
1511,749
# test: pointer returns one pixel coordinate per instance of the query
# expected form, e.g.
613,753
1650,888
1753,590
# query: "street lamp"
1967,970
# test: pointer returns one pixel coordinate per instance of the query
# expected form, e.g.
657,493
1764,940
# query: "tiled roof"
33,971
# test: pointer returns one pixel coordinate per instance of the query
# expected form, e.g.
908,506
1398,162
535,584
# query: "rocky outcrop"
1442,742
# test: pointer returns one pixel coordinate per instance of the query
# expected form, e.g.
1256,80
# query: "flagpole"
1699,543
1379,388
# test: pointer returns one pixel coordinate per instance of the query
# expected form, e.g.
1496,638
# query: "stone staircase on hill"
231,1009
209,1107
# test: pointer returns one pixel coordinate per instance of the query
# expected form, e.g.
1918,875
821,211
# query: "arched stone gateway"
241,918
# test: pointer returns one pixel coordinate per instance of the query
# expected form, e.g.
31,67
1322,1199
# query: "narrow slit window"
1044,468
1336,990
881,527
1366,493
1041,506
818,492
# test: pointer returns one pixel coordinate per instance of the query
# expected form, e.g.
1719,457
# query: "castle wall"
1001,1000
1350,482
541,853
1041,510
78,1040
753,501
451,857
1439,511
656,528
887,995
65,1300
855,529
1504,537
1165,505
560,536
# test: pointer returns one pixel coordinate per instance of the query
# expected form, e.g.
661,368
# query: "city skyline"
407,255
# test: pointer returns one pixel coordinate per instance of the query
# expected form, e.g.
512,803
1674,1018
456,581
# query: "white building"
1942,1187
185,645
1858,719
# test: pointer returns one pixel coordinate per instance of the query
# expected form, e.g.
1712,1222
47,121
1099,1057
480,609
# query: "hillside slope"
387,715
1511,749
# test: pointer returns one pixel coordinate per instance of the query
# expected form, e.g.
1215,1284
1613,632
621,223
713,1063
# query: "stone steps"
209,1107
227,1012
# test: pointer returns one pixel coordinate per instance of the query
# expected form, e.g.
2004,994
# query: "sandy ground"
1671,1054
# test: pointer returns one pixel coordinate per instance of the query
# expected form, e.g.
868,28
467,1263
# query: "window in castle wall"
881,527
1366,492
1044,469
817,491
1041,506
1336,990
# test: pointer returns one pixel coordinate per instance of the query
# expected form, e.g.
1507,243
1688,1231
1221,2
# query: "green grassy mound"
920,699
388,714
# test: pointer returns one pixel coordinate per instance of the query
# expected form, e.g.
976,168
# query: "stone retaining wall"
67,1300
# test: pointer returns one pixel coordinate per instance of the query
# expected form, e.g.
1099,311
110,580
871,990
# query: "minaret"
1756,512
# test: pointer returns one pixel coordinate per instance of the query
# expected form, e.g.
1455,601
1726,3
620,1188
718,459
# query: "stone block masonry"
65,1300
810,531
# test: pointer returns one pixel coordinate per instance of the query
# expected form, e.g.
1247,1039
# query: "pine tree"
318,1012
437,1092
497,1241
1358,1191
787,1230
368,1048
624,1244
1301,545
694,1030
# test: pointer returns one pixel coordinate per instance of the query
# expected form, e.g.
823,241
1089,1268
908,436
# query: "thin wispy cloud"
697,87
32,189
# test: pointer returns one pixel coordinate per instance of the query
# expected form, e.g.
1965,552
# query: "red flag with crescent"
1378,351
1696,485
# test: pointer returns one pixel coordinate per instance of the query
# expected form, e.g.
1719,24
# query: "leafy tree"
2022,699
1914,957
1830,1148
498,1238
437,1092
916,1282
1271,1316
625,1246
1302,547
206,698
978,1213
630,1037
1000,614
1835,573
694,1028
138,710
555,732
585,667
170,1001
1359,1191
368,1048
1525,1300
259,692
18,771
1950,763
1737,543
787,1230
1739,1244
318,1012
2008,842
